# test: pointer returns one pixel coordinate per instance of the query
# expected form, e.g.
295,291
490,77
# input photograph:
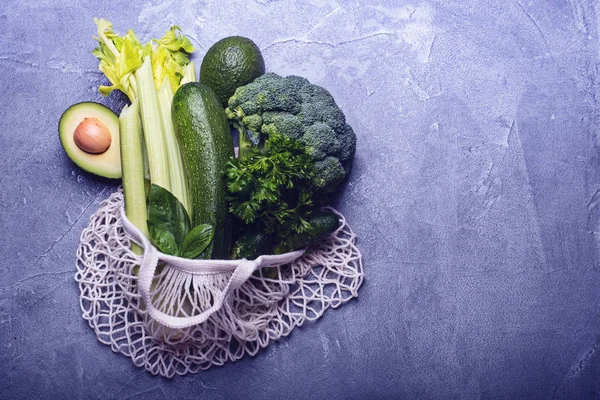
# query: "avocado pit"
92,136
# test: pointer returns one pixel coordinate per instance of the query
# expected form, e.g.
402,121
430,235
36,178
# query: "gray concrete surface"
475,194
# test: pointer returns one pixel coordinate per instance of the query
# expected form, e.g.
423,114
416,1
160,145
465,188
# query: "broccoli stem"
244,142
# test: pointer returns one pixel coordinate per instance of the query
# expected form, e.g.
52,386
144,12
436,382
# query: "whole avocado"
231,62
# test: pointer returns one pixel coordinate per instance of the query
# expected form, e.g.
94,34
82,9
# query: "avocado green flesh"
107,164
230,63
206,146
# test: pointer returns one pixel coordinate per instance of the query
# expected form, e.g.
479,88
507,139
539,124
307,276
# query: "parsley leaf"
271,187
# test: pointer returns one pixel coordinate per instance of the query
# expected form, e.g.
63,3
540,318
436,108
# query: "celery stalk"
189,73
179,185
132,164
152,125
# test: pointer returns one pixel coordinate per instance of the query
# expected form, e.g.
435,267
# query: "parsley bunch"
271,187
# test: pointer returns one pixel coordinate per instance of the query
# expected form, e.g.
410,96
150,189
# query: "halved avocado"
106,163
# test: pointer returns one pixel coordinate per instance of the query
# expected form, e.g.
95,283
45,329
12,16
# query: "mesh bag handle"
241,270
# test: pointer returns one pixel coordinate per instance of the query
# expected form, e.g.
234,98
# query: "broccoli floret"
321,141
303,111
348,145
328,174
267,93
282,122
253,122
320,110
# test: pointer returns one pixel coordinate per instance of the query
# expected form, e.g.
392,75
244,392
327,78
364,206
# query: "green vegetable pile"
295,149
182,185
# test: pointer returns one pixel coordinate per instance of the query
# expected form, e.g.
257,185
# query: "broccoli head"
296,108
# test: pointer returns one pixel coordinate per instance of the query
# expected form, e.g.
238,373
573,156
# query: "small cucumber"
252,245
323,223
206,146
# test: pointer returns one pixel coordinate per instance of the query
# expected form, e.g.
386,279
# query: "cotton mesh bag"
176,316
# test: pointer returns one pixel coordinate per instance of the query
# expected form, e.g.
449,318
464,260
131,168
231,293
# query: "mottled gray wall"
475,194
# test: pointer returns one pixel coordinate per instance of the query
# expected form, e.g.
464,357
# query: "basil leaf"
167,212
163,239
197,240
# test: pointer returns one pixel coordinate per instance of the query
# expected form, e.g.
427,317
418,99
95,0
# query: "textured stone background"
475,193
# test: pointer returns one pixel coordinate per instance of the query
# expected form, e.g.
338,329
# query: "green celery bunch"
149,74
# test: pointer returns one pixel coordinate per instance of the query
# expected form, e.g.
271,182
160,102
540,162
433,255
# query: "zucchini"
206,145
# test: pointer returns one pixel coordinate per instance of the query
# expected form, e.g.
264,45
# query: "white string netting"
267,306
